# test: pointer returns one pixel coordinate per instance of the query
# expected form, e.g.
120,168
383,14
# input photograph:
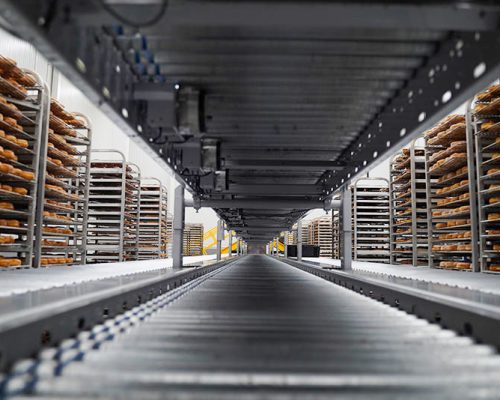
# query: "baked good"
6,168
5,205
27,175
10,155
7,239
22,143
462,265
447,264
20,190
10,262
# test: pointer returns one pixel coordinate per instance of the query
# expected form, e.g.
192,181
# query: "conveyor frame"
28,331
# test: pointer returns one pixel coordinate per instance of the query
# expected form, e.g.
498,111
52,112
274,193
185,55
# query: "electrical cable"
143,24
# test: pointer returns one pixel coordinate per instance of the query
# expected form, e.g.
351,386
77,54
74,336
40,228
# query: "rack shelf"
152,239
409,241
371,220
25,111
113,208
450,194
487,141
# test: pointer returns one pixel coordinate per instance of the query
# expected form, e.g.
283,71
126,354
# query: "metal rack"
451,194
165,232
61,218
320,234
132,208
371,222
25,118
152,238
335,234
193,240
169,233
486,127
408,206
114,190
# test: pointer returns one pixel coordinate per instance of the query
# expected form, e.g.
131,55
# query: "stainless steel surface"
262,329
219,238
345,230
178,226
299,240
42,318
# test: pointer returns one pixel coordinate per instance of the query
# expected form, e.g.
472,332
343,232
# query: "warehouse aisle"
259,328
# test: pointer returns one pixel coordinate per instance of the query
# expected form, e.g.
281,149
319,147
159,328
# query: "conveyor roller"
259,328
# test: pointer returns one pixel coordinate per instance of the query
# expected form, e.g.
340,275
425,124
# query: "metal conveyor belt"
259,328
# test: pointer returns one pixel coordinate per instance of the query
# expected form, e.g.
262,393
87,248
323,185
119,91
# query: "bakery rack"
132,208
61,218
485,121
151,241
370,211
408,194
193,240
24,103
112,216
335,234
169,232
320,234
451,194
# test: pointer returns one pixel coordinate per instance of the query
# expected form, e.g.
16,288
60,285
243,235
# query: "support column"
299,240
286,245
220,236
178,226
230,251
345,222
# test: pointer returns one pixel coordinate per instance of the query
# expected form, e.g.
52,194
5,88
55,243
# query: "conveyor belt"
259,328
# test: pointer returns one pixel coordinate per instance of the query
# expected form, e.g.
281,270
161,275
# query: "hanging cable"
135,24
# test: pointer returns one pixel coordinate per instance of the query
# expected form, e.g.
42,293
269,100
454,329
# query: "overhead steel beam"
261,46
462,67
268,229
300,165
298,15
291,154
275,190
186,71
279,204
